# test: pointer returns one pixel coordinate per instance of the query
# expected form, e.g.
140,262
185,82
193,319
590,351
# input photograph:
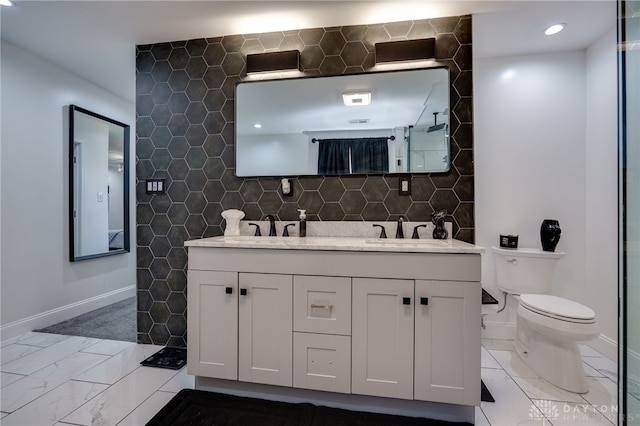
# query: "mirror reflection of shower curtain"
358,155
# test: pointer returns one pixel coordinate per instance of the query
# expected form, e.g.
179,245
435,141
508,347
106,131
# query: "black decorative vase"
439,231
550,234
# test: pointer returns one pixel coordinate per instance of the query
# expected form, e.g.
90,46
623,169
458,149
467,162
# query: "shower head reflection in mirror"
98,185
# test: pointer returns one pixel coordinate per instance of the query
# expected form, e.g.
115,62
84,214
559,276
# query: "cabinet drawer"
322,304
322,362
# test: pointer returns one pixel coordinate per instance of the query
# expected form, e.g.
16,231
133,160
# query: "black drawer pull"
406,300
424,301
243,292
228,290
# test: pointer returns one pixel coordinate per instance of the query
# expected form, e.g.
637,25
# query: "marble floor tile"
119,365
540,389
488,361
100,382
34,338
180,381
480,419
35,361
41,339
8,378
31,387
604,365
512,364
512,406
589,371
120,399
54,405
603,394
108,347
15,351
586,350
147,409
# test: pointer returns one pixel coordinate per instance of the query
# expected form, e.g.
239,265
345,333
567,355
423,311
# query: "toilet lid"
557,307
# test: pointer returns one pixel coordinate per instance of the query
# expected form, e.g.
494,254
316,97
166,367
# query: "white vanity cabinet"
416,339
383,337
378,322
240,326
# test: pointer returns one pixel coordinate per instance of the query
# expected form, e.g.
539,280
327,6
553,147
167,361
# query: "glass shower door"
629,220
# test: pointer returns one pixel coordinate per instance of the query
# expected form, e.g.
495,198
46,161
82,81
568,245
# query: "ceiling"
96,39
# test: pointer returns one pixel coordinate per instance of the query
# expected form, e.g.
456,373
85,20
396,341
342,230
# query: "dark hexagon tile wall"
185,134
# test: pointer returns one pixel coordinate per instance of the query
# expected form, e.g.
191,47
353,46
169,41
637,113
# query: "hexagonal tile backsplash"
185,134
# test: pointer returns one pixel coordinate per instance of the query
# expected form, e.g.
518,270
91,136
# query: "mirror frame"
126,129
310,78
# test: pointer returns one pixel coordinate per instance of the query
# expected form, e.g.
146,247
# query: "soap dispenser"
303,223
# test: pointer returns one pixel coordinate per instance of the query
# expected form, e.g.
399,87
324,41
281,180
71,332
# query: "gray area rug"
113,322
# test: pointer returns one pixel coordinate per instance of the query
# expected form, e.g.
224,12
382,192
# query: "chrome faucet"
272,225
399,232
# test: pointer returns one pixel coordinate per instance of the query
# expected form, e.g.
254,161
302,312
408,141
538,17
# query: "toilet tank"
522,271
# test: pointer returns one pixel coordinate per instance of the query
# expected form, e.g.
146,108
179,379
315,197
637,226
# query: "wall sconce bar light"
287,60
405,50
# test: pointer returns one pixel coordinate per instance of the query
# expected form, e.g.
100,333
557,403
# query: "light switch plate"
155,186
404,187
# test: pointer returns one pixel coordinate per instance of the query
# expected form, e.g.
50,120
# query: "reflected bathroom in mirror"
372,123
98,185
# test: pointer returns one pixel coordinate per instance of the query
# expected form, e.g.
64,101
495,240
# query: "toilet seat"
557,308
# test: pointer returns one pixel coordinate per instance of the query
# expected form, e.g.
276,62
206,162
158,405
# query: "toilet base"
558,361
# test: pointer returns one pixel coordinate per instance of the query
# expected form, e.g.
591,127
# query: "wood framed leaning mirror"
98,185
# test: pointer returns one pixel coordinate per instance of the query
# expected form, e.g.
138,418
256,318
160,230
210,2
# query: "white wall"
39,286
601,179
540,152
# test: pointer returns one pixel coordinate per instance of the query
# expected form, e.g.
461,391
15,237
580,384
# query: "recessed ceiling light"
554,29
356,98
6,3
258,126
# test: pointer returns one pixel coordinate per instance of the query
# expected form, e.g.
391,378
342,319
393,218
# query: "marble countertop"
339,243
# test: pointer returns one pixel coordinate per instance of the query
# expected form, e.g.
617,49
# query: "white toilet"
548,328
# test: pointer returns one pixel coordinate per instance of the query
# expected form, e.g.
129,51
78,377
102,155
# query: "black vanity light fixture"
286,60
405,50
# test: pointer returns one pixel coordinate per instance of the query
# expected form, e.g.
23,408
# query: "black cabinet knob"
243,292
406,300
228,290
424,301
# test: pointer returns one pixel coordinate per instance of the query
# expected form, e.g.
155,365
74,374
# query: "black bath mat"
485,396
172,358
200,408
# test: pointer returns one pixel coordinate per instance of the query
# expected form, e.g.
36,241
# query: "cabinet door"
447,354
212,315
382,337
265,331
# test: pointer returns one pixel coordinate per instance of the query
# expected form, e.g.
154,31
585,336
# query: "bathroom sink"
408,241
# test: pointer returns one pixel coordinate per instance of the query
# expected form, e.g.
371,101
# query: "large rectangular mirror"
98,185
373,123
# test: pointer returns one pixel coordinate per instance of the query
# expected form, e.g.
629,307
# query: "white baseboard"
64,313
499,330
